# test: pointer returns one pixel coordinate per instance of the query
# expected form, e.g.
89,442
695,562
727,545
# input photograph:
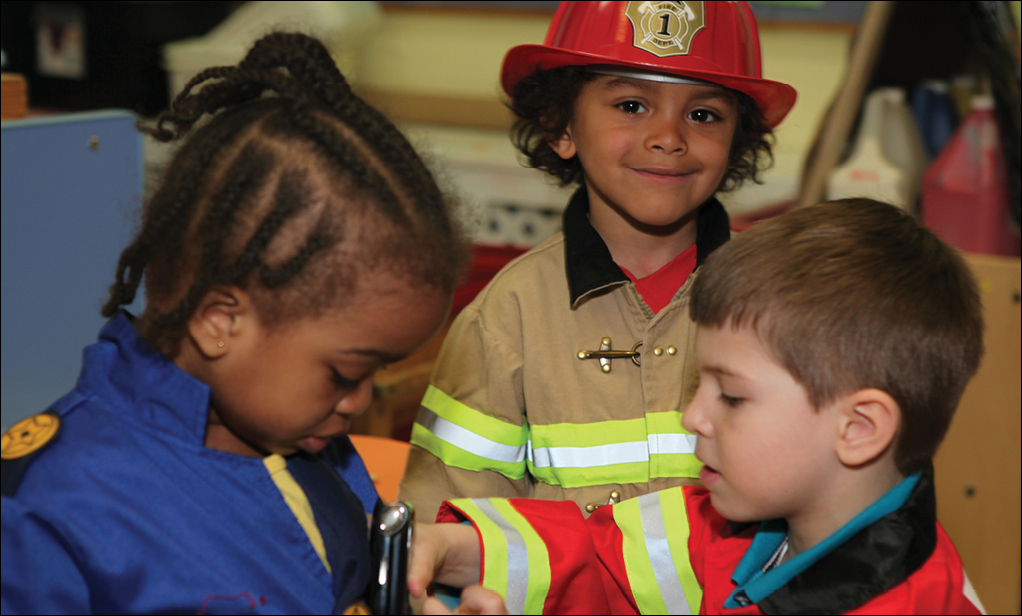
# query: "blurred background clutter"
916,103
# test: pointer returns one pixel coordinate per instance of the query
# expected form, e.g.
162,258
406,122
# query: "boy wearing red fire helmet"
567,377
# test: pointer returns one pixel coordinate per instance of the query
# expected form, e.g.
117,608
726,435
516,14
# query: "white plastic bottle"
889,156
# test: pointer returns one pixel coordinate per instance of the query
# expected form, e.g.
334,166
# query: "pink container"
965,191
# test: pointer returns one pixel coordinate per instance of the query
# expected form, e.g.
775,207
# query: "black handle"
390,541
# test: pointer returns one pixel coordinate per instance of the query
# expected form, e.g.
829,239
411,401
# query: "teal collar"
754,585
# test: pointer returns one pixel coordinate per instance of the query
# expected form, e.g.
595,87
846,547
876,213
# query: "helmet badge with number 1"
666,28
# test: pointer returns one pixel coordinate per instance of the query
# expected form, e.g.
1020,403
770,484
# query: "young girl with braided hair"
296,245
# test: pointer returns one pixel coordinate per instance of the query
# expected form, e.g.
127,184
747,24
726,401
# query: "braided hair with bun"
287,185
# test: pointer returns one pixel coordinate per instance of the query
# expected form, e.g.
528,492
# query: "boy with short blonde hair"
834,344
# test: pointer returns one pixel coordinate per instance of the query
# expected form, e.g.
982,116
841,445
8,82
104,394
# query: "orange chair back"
385,459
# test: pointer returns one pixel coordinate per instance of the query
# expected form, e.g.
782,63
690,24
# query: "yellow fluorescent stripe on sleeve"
538,558
675,515
453,455
516,563
466,438
494,546
655,533
641,578
485,426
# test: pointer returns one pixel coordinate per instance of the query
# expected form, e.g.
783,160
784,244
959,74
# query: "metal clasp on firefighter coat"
606,354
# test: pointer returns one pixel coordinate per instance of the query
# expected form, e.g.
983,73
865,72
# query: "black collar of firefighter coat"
587,259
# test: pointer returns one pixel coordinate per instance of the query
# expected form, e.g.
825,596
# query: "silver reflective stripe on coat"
517,558
666,573
616,453
469,441
585,457
671,443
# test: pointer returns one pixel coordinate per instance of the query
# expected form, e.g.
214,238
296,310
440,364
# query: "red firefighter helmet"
710,41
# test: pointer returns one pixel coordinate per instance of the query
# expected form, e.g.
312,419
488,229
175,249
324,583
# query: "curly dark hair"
544,104
288,185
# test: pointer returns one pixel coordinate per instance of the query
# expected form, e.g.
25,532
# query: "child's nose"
667,136
358,400
694,419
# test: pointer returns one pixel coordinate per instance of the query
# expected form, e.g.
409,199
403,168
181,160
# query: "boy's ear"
869,420
564,145
222,315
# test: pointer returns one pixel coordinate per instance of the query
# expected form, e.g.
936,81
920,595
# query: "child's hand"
444,553
474,600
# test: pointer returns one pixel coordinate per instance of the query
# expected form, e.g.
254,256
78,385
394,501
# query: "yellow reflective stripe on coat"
466,438
671,447
516,564
566,454
622,451
655,534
